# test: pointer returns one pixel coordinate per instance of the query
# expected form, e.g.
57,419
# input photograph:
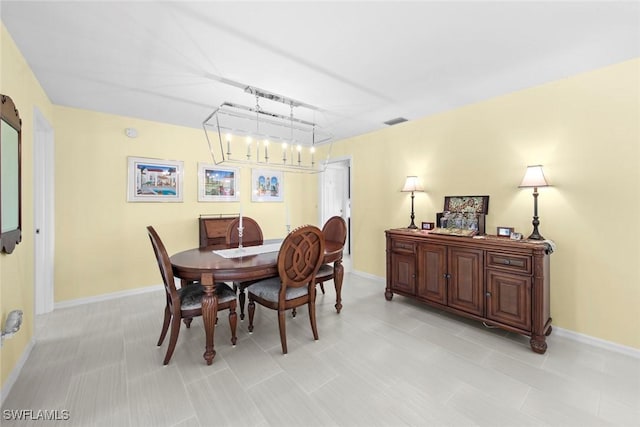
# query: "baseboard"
13,376
597,342
106,297
368,276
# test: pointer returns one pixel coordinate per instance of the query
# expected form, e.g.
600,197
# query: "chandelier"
239,134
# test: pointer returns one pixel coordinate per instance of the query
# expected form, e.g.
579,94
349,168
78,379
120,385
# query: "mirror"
10,176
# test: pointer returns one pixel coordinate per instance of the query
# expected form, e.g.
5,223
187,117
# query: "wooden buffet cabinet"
502,282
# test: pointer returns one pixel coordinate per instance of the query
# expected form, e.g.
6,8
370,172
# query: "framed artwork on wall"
154,180
217,184
266,185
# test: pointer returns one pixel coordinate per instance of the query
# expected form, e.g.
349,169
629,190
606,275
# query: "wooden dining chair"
186,302
299,259
334,230
251,236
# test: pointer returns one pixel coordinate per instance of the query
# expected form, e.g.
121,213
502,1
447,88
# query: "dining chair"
299,259
334,230
186,302
251,236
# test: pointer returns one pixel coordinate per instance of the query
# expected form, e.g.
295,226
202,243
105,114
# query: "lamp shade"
534,177
412,184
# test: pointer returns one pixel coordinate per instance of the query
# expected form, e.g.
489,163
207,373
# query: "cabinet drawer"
509,262
403,246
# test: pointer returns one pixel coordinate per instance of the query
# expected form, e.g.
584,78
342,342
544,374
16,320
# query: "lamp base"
412,226
535,236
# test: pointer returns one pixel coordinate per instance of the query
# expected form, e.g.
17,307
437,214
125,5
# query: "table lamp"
534,177
412,185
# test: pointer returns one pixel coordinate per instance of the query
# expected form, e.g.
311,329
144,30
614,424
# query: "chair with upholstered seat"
299,259
334,231
186,302
251,236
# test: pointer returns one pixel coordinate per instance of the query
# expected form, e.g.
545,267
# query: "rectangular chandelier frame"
238,134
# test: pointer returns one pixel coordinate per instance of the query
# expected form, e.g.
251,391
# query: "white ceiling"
360,63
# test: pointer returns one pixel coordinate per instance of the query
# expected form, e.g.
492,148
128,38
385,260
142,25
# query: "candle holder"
288,226
240,231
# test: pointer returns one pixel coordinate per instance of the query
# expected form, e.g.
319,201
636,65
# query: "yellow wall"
101,239
585,130
16,269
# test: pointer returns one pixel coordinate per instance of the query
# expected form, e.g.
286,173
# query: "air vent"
395,121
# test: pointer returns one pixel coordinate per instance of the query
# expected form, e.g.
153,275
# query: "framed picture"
266,185
154,180
216,184
504,231
427,225
515,236
477,204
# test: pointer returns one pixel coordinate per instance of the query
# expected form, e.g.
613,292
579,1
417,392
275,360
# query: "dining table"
238,265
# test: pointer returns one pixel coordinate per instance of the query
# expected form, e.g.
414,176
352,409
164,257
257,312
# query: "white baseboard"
368,276
106,297
566,333
597,342
13,376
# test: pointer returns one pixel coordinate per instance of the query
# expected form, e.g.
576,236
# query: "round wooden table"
191,264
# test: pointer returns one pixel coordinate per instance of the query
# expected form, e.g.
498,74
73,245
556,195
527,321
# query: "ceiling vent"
395,121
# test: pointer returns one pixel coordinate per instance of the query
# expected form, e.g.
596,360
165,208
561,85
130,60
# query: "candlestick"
288,218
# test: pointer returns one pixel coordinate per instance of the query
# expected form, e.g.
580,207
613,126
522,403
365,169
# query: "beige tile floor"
377,363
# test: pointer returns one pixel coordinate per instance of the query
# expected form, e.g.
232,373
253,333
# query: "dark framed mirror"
10,176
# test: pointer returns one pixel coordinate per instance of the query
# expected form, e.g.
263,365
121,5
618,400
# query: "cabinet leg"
548,331
388,294
538,344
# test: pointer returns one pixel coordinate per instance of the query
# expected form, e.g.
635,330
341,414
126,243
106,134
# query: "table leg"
209,314
338,273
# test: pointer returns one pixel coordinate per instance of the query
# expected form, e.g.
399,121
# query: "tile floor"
378,363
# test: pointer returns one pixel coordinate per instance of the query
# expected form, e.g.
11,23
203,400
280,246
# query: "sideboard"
501,282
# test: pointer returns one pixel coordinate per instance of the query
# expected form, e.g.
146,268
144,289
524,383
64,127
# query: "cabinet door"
466,290
432,269
403,273
509,299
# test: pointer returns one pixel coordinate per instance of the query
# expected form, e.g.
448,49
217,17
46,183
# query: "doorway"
43,212
335,194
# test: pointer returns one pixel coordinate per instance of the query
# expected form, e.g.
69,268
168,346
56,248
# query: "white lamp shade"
412,184
534,177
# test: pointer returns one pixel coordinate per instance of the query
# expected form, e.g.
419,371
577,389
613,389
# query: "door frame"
348,161
43,212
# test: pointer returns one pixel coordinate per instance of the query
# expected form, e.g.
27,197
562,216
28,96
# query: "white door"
43,214
334,194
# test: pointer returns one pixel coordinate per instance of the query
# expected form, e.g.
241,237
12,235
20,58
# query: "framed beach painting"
266,185
154,180
216,184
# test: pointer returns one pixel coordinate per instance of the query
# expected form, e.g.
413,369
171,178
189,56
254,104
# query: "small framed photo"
216,184
515,236
427,225
504,231
154,180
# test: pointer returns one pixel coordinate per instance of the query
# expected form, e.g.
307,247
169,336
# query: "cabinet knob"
507,262
488,294
446,276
